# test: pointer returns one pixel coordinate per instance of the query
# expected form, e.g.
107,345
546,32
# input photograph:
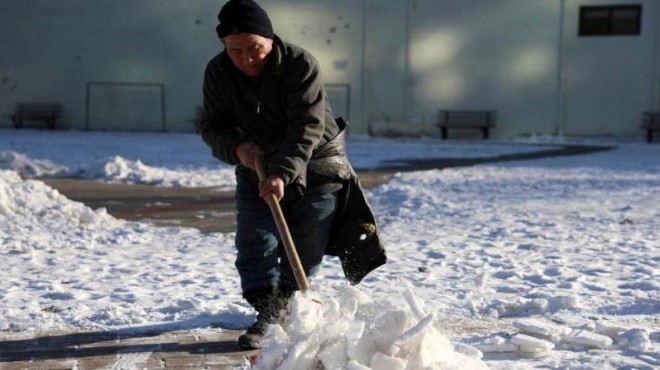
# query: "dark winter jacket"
285,111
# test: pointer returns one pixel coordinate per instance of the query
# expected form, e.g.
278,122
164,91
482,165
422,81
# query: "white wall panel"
403,60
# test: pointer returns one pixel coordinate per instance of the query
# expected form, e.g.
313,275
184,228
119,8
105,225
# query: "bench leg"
18,122
444,133
486,133
50,124
649,136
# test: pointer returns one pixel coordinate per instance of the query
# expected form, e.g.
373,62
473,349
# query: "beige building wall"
609,81
390,65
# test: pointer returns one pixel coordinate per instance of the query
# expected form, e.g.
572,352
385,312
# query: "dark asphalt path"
212,210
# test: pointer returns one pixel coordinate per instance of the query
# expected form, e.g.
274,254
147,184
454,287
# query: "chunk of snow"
360,344
636,340
384,362
413,333
416,306
302,355
276,345
587,338
609,328
389,326
538,327
307,311
468,350
496,347
528,343
333,356
353,365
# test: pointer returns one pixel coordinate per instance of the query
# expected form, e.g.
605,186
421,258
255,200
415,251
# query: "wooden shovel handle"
289,246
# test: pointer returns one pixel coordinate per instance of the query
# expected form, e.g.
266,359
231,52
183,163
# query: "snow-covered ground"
551,263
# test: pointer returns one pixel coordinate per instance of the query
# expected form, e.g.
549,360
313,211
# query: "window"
610,20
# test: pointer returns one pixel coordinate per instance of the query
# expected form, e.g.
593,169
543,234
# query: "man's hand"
275,185
246,153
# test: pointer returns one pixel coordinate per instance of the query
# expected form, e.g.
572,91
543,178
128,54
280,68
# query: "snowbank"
531,264
66,265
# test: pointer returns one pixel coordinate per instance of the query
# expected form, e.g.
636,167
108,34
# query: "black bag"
354,237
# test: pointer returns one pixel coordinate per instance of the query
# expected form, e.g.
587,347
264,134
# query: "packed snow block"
527,343
552,331
588,339
468,350
307,312
302,355
390,326
497,344
432,344
351,299
332,310
354,365
360,343
409,342
276,345
520,307
609,328
406,342
383,362
421,344
333,356
416,306
636,340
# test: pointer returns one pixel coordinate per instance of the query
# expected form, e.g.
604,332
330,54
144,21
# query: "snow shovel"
282,227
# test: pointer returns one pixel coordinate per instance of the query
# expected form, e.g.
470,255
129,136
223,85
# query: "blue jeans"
259,261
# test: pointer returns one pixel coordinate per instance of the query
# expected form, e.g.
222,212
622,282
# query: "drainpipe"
655,85
560,116
406,62
364,96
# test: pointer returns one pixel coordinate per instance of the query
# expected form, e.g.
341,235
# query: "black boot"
252,337
271,307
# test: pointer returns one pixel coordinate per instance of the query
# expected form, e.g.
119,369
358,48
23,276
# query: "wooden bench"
650,123
482,120
48,113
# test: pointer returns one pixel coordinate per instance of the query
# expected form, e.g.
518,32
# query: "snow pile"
352,331
66,265
121,170
35,207
21,163
184,160
117,169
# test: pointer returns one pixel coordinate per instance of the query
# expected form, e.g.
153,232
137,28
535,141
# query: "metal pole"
560,116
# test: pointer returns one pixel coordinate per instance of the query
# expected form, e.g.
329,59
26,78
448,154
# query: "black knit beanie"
243,16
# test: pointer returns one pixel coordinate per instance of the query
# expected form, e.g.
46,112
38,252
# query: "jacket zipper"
258,107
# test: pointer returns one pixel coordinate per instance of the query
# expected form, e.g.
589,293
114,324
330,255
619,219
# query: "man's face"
248,52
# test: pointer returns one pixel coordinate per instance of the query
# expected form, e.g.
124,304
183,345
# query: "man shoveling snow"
265,97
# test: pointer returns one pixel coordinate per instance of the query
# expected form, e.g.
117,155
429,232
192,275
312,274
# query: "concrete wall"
107,61
506,59
333,31
51,50
521,57
389,64
609,81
